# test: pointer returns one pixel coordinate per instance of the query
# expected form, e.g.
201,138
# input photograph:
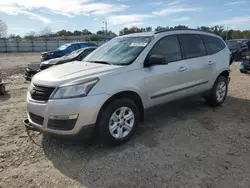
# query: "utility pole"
106,27
227,33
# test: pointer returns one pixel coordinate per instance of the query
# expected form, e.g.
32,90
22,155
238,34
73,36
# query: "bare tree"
3,29
30,35
46,32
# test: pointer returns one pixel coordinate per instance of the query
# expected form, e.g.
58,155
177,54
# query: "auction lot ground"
182,144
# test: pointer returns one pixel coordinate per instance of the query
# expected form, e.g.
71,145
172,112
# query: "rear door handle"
210,63
181,69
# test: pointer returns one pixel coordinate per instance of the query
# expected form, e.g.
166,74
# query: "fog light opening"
64,117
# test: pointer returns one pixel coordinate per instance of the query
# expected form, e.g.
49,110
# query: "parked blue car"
65,49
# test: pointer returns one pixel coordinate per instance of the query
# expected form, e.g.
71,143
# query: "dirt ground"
183,144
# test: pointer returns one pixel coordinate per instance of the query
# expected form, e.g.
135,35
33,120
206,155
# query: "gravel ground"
182,144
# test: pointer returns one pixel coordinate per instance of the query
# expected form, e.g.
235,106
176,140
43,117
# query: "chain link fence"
34,45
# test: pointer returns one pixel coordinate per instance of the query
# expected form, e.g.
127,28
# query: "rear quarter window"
213,44
192,45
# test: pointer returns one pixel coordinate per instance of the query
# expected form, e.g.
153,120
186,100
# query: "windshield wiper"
101,62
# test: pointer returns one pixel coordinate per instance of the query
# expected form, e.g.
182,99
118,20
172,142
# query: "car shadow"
4,97
94,165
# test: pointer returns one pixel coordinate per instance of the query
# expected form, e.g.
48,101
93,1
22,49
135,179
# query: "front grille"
36,119
68,124
41,93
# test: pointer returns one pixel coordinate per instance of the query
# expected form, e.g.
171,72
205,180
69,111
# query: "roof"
179,31
143,34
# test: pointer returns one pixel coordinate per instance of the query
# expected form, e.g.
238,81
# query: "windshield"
119,51
74,53
233,45
63,47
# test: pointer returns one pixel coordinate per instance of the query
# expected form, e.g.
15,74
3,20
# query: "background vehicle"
238,47
65,49
116,84
2,85
76,55
245,64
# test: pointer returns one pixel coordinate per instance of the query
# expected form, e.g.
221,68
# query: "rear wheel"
117,122
219,92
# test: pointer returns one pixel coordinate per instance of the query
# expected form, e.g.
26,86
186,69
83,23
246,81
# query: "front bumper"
87,109
29,73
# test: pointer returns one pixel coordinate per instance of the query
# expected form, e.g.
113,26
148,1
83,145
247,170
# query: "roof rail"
166,30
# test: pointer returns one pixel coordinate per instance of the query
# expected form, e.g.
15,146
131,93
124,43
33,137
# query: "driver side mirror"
155,60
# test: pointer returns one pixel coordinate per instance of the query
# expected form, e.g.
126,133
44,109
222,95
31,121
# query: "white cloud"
181,19
174,3
245,9
12,10
237,2
134,24
127,19
228,10
21,28
158,3
232,21
69,8
175,9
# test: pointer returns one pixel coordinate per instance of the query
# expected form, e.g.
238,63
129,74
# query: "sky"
23,16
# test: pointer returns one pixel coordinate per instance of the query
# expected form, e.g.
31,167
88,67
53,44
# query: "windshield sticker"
142,44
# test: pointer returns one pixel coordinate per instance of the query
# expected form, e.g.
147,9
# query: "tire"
214,99
243,71
106,122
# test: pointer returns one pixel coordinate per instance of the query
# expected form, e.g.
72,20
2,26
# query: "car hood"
56,60
73,71
48,52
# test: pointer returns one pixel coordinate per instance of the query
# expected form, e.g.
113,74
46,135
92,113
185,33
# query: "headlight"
73,91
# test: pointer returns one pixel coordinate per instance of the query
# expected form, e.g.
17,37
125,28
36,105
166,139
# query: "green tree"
94,38
204,28
86,32
77,33
236,34
218,29
148,29
245,34
159,28
100,32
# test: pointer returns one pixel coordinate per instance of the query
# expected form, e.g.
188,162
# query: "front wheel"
219,92
117,122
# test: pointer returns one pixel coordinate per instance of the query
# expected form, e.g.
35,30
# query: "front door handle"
210,63
181,69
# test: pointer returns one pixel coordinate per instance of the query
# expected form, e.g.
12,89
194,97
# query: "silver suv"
109,91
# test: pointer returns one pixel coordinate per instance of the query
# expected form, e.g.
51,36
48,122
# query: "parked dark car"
238,47
77,55
65,49
245,64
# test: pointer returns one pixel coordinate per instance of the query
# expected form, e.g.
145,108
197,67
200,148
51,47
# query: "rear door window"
169,47
213,44
192,45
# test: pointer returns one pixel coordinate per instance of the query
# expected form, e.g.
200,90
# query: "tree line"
95,36
218,30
